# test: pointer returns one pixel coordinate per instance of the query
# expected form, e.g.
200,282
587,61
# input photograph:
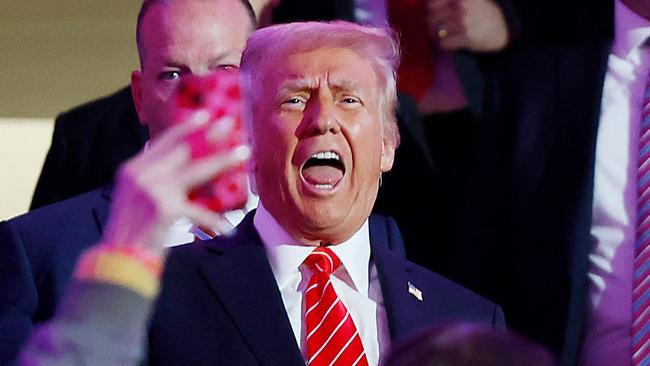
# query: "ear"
387,154
251,167
136,93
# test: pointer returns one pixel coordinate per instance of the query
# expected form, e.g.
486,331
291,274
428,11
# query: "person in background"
559,203
90,142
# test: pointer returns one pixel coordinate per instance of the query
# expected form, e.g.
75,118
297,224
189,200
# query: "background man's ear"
136,93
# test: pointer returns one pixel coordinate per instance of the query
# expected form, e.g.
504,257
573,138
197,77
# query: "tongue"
322,174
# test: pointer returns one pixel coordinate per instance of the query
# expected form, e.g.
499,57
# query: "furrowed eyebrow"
344,84
306,85
168,63
295,85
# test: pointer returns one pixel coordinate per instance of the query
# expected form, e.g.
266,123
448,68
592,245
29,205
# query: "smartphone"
219,95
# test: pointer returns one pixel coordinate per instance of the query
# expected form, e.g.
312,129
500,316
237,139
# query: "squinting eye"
295,103
350,102
170,75
228,67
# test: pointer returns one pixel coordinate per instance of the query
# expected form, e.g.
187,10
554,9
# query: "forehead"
340,67
184,25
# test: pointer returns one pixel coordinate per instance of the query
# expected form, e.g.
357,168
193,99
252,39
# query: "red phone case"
218,94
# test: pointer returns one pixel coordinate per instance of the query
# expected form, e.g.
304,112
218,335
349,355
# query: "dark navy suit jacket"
89,143
38,252
220,304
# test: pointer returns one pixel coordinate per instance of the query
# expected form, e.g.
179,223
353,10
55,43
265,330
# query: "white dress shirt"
607,332
355,282
183,230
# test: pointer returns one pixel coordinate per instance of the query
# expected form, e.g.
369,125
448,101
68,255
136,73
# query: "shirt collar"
632,30
286,254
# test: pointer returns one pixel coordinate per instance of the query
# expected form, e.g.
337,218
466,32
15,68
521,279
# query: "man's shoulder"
437,298
39,250
459,302
74,207
450,287
384,228
71,220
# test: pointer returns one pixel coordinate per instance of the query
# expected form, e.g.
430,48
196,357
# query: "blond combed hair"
379,45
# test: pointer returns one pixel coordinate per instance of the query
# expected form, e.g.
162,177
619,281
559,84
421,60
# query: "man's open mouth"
323,170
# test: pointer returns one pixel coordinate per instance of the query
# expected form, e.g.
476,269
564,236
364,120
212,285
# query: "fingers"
477,25
203,217
486,25
441,12
445,20
202,170
151,169
219,226
173,149
454,42
152,189
173,137
452,29
221,129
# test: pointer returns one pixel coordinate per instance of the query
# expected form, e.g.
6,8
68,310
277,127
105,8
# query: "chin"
319,220
333,226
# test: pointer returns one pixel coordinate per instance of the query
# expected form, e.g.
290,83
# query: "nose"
321,117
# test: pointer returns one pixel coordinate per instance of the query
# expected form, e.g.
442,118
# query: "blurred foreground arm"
102,318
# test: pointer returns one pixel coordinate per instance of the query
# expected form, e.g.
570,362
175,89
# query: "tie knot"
323,260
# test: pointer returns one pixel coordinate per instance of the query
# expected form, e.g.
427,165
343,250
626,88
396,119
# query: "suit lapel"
411,300
403,309
240,276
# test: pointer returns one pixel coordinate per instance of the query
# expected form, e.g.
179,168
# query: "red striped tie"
332,337
641,289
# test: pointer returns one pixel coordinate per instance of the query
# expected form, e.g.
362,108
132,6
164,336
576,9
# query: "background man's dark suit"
529,216
220,304
38,252
88,144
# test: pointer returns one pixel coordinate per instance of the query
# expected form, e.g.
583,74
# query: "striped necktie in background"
332,337
641,283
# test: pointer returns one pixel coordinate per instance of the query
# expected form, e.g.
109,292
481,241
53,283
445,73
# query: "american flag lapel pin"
415,291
